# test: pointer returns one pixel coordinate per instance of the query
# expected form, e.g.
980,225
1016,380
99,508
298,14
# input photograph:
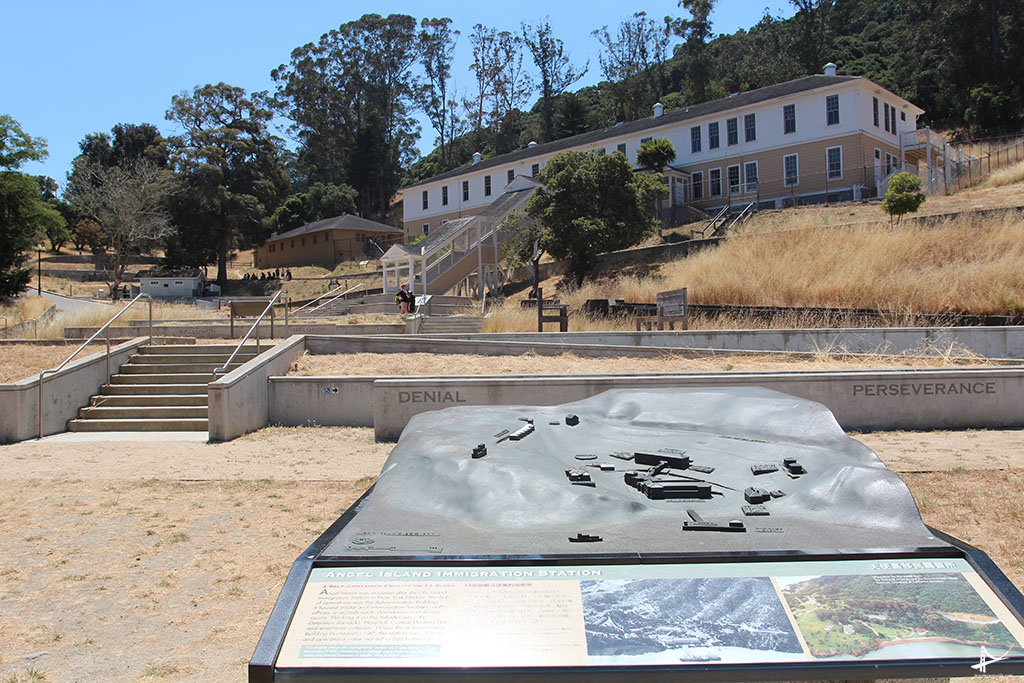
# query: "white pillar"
479,261
928,148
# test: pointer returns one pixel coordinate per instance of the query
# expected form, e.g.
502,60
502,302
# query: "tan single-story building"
327,242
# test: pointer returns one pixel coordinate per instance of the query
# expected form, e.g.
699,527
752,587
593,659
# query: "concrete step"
175,368
139,425
108,401
195,388
169,378
200,349
147,412
153,358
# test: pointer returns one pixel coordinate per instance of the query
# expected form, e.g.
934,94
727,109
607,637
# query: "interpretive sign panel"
656,614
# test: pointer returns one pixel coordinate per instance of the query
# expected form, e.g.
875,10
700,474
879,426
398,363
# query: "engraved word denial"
430,397
924,388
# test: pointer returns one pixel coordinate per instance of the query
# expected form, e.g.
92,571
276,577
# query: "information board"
650,614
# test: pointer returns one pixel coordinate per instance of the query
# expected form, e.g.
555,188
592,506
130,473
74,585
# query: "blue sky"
77,67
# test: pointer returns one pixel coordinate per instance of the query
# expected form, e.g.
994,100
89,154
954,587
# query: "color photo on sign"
893,616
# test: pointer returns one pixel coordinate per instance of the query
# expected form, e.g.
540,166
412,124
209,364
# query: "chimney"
734,89
533,143
620,119
830,69
659,109
476,158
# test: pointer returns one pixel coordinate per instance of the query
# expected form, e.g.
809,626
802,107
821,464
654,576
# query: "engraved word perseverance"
924,388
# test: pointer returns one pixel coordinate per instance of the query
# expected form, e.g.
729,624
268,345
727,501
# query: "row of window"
790,173
510,175
888,115
750,126
274,246
732,133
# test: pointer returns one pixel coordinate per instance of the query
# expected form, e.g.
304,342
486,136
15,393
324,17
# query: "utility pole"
39,272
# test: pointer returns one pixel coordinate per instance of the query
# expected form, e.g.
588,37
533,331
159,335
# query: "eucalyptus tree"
230,168
555,71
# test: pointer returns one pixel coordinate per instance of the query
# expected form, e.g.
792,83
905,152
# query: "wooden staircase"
161,388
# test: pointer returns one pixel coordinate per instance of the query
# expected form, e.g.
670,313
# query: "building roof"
692,112
345,221
170,272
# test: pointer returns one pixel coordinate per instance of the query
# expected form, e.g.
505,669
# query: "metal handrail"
88,341
718,216
310,303
238,348
332,300
35,325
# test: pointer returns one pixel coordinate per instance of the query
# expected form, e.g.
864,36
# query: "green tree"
17,146
321,201
591,204
903,196
232,170
437,47
349,97
56,227
655,156
554,70
24,214
633,63
696,32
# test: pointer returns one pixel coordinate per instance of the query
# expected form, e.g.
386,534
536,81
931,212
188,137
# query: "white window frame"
734,122
695,140
750,127
444,195
830,110
785,121
697,184
885,113
874,110
828,164
426,200
465,190
426,228
734,189
785,175
487,186
511,175
711,182
714,140
750,187
621,147
534,170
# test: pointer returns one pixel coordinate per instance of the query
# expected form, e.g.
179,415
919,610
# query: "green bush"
903,196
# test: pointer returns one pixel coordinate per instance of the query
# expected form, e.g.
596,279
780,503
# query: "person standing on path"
404,299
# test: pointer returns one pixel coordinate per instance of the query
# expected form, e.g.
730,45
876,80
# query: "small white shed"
184,283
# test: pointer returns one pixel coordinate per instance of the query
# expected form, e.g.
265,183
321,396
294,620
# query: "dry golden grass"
24,308
532,364
967,264
1005,176
18,361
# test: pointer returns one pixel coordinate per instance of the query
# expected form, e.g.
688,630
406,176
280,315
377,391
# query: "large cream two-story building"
820,137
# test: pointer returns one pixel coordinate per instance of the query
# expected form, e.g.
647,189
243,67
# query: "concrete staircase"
450,324
161,388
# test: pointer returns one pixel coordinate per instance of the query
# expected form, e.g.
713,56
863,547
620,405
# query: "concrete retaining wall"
63,394
991,342
220,330
483,345
239,401
862,400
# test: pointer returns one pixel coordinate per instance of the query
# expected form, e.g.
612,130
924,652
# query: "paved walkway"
71,304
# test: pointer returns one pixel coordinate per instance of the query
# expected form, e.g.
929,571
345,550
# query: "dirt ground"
162,560
530,363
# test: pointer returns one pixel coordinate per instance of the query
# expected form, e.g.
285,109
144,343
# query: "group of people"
276,274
